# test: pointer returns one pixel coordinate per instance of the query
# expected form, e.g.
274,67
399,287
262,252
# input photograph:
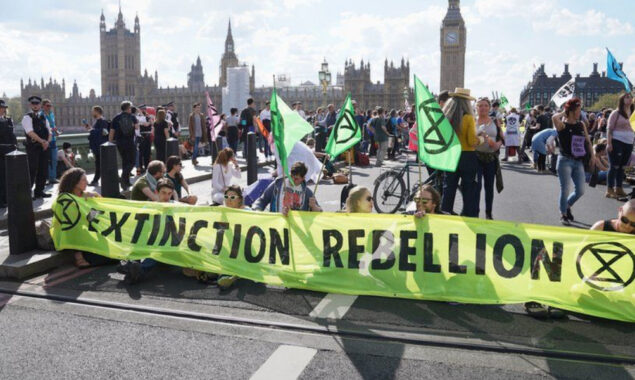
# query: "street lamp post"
325,79
406,92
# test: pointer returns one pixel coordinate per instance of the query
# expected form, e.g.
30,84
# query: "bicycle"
391,193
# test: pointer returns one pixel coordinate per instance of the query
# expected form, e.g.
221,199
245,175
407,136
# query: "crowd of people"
579,147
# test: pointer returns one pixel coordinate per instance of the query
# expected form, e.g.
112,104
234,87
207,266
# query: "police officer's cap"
35,99
169,104
3,104
142,107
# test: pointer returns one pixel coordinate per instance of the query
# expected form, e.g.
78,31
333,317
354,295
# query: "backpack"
126,126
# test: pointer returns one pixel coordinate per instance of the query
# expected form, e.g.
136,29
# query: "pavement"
89,324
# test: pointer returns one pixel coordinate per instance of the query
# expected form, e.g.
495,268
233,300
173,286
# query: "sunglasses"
369,199
232,197
422,200
627,221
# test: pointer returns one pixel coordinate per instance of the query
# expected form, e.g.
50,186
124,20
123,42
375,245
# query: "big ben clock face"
451,38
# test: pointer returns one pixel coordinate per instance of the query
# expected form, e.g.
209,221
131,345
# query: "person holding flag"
620,138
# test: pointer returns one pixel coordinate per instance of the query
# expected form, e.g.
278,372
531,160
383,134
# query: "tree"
15,109
606,101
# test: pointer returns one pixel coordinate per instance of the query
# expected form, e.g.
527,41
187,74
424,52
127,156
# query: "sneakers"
225,282
564,220
537,310
610,193
620,192
570,215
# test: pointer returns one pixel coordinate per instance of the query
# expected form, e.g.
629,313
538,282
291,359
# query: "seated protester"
74,182
427,201
225,169
624,223
328,165
174,167
283,195
65,159
599,162
234,198
359,200
136,271
145,188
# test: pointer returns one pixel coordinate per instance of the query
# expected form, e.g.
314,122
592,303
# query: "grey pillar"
109,170
21,219
171,147
252,159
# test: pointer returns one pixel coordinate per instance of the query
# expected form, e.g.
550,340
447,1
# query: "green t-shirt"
377,124
136,194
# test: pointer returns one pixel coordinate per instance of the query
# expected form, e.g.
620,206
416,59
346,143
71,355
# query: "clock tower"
452,48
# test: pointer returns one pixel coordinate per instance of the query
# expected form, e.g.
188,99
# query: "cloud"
590,23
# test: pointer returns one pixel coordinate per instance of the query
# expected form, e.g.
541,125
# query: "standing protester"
8,143
47,110
543,143
197,128
378,128
625,222
232,130
284,195
122,131
620,138
97,135
512,135
265,117
161,134
298,108
38,136
572,134
173,120
224,170
530,131
487,154
247,122
145,139
458,111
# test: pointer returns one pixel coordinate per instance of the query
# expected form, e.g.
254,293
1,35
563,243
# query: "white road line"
286,362
333,306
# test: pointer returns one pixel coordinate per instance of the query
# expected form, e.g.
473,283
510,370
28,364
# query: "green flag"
288,127
528,106
346,131
441,147
504,101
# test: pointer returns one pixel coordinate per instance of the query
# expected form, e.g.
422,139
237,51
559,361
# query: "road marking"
286,362
333,306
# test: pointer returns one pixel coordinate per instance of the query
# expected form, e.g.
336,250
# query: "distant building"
122,79
542,87
453,43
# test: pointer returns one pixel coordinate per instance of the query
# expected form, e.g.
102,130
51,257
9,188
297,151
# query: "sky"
506,39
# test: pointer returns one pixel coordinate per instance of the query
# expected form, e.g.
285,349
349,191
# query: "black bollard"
318,142
252,159
171,147
213,147
21,219
109,170
219,145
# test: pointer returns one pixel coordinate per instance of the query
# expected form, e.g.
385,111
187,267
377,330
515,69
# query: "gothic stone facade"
542,87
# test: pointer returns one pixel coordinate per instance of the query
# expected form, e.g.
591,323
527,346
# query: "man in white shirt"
38,136
298,109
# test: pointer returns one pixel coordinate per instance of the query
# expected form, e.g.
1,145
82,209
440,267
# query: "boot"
620,192
610,193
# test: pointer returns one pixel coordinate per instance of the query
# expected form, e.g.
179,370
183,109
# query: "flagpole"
320,173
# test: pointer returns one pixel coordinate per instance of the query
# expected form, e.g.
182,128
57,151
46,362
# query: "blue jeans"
487,171
602,176
618,159
197,140
466,172
53,160
148,264
570,169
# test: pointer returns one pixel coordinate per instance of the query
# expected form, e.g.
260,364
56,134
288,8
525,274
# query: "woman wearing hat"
458,110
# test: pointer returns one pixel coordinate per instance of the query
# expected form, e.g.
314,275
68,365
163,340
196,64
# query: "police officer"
173,120
8,143
38,136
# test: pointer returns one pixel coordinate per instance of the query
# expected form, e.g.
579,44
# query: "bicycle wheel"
389,192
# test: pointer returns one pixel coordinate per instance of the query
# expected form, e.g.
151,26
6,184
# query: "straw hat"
462,93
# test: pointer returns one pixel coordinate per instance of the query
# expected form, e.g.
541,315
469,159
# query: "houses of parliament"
122,79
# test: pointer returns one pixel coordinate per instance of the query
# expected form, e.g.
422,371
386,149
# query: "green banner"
346,131
438,257
441,147
504,102
287,126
